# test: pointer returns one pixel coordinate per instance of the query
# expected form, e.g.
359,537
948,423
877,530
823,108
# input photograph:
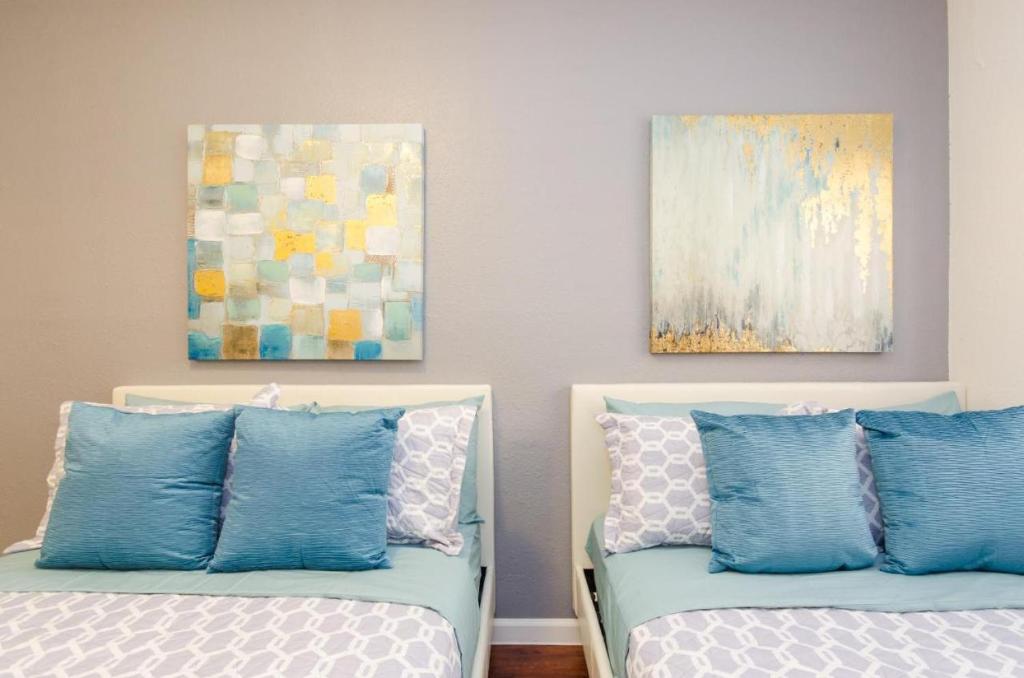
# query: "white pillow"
426,477
265,397
659,483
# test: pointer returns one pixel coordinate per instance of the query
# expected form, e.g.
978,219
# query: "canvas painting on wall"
771,233
305,242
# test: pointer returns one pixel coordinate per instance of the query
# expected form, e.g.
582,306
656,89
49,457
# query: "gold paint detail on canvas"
789,220
305,241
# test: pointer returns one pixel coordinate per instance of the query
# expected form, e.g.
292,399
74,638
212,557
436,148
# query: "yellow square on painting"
284,244
381,210
209,283
219,143
305,243
346,325
322,187
217,170
355,234
324,263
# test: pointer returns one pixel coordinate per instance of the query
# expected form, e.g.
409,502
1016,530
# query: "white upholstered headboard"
295,394
590,470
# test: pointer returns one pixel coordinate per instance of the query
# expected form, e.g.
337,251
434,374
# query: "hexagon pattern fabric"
828,642
104,634
659,491
425,486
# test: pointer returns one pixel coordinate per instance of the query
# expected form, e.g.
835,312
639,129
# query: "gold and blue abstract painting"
305,242
771,233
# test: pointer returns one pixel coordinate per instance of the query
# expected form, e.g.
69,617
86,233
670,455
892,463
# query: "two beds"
659,613
429,615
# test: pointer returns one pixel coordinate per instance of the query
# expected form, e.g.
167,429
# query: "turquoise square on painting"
243,198
193,299
308,347
203,347
209,254
373,179
242,310
272,271
397,320
275,342
366,272
367,350
140,491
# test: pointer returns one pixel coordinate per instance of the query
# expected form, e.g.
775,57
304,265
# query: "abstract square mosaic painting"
771,233
305,242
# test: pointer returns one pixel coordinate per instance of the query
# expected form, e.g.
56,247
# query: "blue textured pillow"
785,493
467,497
310,491
617,406
140,491
951,487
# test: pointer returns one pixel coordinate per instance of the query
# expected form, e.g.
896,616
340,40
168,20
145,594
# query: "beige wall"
537,118
986,120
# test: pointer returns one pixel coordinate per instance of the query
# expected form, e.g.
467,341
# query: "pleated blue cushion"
951,488
310,491
140,491
785,493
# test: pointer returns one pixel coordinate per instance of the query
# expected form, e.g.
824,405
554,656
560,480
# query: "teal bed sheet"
634,588
420,576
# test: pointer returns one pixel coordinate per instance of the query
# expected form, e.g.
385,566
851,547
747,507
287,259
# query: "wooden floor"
537,661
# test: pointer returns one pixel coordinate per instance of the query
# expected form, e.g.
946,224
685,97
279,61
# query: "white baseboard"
511,631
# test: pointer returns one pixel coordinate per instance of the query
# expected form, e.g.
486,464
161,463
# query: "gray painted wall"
537,120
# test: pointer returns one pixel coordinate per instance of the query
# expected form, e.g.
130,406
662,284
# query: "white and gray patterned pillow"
265,397
426,477
868,490
659,483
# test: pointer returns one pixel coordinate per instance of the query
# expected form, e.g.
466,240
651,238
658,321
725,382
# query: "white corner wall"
986,172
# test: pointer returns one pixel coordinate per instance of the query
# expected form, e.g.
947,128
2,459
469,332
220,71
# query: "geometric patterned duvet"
112,634
828,642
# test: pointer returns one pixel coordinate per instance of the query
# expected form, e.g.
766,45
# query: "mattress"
419,618
664,615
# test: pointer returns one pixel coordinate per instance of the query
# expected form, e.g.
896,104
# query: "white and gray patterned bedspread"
106,634
828,642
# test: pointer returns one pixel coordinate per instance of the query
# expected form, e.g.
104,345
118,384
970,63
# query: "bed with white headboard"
384,395
590,481
403,633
